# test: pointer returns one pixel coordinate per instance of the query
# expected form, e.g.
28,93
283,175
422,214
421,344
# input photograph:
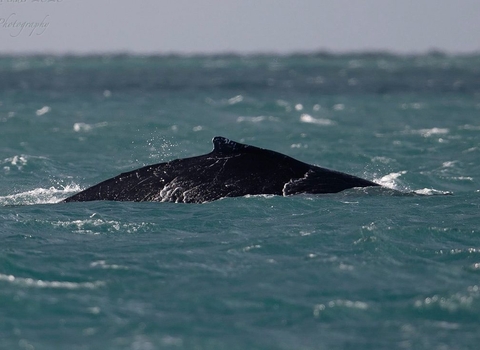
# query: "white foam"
40,196
235,100
256,119
339,303
97,226
18,162
390,180
30,282
84,127
430,192
431,132
43,110
307,118
103,265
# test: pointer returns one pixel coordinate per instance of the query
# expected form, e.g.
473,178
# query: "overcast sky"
244,26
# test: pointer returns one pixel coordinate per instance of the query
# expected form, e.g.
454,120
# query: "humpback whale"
231,169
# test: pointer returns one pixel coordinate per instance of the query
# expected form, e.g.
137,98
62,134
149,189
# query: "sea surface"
390,268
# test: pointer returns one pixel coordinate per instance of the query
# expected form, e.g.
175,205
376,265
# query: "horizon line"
226,53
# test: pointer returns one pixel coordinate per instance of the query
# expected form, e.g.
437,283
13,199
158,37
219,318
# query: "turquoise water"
397,267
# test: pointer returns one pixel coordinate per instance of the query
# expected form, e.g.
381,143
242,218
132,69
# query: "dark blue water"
397,267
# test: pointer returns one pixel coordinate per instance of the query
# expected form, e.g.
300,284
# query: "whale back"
231,169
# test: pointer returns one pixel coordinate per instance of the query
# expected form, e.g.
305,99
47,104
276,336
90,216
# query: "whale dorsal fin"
225,146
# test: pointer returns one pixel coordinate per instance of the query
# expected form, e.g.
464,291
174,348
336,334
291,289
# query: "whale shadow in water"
232,169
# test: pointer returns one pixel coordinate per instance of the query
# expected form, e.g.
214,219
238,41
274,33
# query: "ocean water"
397,267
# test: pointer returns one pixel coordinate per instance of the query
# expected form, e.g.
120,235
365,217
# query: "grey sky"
245,26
